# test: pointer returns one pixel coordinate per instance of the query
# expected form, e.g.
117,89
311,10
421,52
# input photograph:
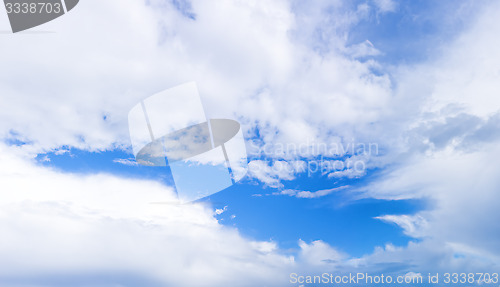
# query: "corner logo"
26,14
205,155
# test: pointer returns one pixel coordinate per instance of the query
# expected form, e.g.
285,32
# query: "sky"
371,130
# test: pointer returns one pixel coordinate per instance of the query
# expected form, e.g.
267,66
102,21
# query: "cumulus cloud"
286,72
320,253
451,142
265,71
105,230
244,68
463,187
100,227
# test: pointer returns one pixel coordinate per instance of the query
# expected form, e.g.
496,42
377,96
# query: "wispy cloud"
310,194
126,161
384,6
413,225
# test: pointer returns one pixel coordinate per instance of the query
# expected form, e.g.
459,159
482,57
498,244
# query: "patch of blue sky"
14,138
15,142
117,162
416,30
339,218
409,33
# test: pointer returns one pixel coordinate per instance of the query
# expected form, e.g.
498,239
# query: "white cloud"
461,185
320,253
450,151
450,143
253,61
272,173
347,173
126,161
310,194
220,211
446,142
54,225
412,225
257,69
427,256
384,6
363,49
283,71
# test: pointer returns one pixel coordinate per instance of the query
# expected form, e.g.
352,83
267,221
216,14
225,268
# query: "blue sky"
262,214
419,79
